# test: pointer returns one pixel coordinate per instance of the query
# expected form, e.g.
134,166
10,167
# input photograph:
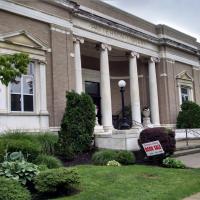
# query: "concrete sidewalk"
193,197
191,160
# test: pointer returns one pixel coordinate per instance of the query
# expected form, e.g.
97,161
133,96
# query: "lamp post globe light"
124,125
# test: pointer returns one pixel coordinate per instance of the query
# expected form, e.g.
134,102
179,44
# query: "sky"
183,15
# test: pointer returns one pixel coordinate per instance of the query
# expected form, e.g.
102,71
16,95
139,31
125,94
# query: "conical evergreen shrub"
77,125
189,116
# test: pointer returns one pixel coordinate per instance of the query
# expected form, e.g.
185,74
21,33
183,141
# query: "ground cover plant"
136,182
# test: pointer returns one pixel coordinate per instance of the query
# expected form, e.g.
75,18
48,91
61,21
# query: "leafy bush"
173,163
166,137
30,149
102,157
47,142
42,167
50,161
189,116
77,125
12,190
56,181
15,167
113,163
29,143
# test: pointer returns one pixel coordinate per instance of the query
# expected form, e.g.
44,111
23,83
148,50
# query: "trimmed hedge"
77,125
50,161
13,190
56,181
189,116
102,157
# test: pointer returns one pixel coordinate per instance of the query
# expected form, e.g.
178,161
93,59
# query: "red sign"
153,148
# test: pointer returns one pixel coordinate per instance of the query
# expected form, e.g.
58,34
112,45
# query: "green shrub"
102,157
56,181
189,116
113,163
173,163
47,142
42,167
50,161
30,149
12,190
125,157
15,167
30,144
77,125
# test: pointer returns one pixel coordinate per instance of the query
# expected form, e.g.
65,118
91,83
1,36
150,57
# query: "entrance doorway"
93,89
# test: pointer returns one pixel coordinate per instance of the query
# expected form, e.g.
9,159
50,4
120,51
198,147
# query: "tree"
189,116
77,125
12,66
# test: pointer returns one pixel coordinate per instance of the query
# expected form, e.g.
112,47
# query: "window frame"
22,94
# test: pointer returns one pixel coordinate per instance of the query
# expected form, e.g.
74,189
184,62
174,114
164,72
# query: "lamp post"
124,125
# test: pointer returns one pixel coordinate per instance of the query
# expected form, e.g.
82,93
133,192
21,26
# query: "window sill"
24,114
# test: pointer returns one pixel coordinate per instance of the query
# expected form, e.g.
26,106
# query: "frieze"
113,33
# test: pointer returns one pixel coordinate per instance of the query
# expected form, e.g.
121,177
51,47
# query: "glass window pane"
184,90
28,103
16,86
92,88
15,102
30,70
27,85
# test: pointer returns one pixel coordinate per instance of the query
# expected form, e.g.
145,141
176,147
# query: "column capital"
78,39
133,54
103,46
154,59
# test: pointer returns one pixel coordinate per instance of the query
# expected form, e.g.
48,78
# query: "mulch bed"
81,159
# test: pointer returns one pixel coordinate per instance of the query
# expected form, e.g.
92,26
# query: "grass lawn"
135,183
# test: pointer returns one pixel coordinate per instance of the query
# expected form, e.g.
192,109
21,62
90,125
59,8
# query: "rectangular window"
185,93
22,92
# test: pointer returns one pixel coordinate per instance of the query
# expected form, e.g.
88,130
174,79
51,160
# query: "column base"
98,129
108,129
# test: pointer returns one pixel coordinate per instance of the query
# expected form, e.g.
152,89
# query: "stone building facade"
86,45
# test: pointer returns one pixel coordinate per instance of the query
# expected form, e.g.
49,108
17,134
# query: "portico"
113,63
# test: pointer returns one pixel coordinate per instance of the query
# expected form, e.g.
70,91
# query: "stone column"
134,90
3,96
77,62
106,106
43,92
153,91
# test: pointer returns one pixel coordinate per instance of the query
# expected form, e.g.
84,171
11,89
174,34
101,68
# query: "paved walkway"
193,197
191,160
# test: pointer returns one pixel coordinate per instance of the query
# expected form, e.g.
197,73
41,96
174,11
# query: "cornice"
86,14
